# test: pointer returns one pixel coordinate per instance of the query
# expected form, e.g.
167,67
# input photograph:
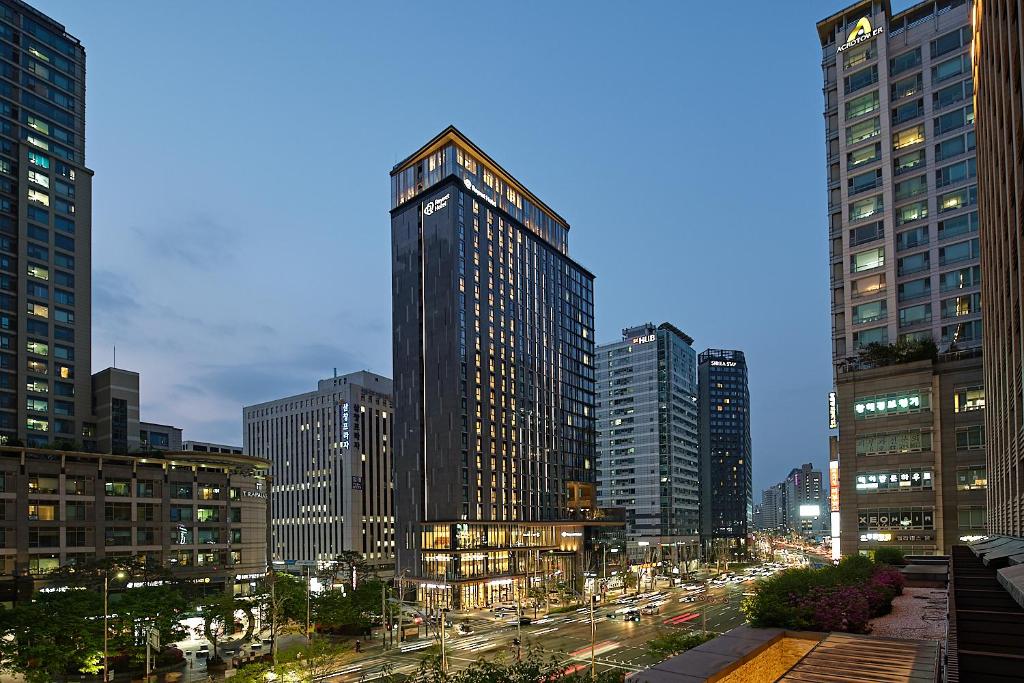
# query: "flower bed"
844,597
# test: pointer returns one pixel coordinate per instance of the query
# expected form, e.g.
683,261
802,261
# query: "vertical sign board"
833,411
344,425
833,500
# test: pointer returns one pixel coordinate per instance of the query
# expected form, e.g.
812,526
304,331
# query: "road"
620,644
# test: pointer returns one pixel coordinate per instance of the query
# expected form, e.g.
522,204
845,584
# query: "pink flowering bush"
840,598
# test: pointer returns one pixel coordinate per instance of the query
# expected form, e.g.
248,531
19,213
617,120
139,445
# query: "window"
119,488
38,309
208,492
907,441
860,79
208,514
908,137
867,233
863,104
860,131
78,485
875,335
905,87
915,289
145,489
965,304
78,512
971,516
869,312
859,55
915,315
147,512
179,490
38,386
869,286
39,160
62,316
42,512
952,94
864,208
911,187
958,118
38,348
959,251
914,263
39,179
967,399
182,535
235,515
906,162
78,536
236,535
912,212
951,41
63,352
951,147
907,111
960,279
117,512
958,199
907,60
915,237
950,68
65,298
44,538
864,181
145,536
37,290
117,536
43,484
209,535
956,173
864,155
39,405
865,260
181,513
962,333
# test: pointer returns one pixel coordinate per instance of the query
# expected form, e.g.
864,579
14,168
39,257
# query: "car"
525,621
650,609
689,598
463,630
631,615
503,609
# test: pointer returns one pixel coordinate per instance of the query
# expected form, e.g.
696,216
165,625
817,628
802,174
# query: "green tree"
219,612
54,634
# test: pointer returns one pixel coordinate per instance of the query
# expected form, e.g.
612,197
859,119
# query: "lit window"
39,197
38,348
38,179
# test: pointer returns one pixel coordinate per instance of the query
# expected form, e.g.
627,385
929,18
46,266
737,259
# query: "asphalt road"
620,644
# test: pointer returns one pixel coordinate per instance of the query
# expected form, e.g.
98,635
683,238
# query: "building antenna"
115,355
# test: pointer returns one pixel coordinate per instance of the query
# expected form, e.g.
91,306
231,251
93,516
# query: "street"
619,644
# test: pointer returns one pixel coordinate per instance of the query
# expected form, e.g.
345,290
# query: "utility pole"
106,667
444,654
519,622
593,639
401,609
383,616
308,634
273,617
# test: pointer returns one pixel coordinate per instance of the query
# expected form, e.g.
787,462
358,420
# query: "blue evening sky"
241,234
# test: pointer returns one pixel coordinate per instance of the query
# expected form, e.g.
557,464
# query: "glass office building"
726,484
494,380
904,260
647,440
45,233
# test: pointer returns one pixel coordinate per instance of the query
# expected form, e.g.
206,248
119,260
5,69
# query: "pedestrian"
359,646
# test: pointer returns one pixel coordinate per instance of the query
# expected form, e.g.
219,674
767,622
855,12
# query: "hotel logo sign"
862,32
646,339
478,192
436,204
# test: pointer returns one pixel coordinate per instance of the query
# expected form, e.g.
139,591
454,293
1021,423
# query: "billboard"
810,510
833,485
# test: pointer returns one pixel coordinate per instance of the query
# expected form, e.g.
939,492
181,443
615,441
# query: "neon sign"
862,32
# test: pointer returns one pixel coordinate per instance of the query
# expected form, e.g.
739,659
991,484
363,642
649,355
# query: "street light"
106,616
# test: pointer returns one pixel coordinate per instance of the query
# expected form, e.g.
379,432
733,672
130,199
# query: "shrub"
846,608
889,556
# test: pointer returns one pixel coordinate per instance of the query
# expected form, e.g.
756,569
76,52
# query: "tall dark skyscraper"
727,497
494,379
45,232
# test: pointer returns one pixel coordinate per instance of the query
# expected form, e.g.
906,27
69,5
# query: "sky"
242,149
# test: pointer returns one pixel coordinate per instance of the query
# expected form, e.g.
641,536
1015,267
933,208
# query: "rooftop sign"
861,32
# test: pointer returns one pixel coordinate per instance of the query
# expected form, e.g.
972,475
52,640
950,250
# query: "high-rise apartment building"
998,47
806,508
647,439
726,485
494,380
773,509
331,457
904,250
45,233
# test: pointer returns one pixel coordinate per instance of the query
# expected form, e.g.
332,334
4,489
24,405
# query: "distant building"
727,499
647,439
115,404
331,457
773,509
157,437
207,447
806,507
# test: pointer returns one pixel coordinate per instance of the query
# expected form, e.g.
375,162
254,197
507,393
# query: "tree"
674,642
53,635
351,567
219,619
630,580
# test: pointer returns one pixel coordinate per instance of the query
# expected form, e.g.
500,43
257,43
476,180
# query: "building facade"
494,380
203,517
806,508
904,259
208,447
903,220
647,439
158,437
773,509
998,47
911,455
45,233
726,459
330,451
